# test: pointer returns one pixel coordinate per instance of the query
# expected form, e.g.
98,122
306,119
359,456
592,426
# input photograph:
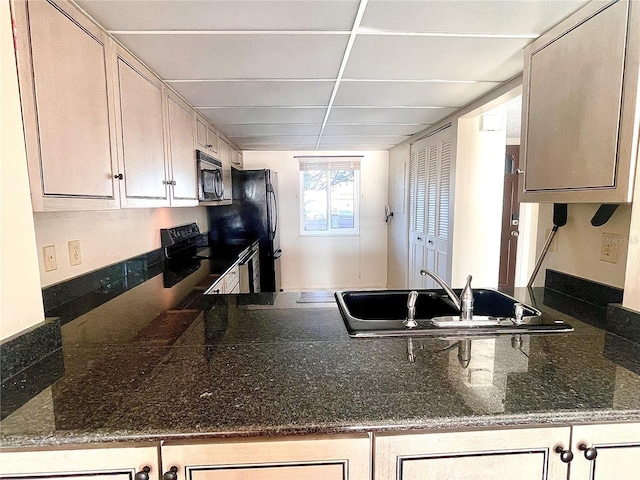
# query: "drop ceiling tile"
393,129
254,93
366,116
417,94
484,16
435,58
233,56
363,139
249,130
247,115
279,148
276,140
222,15
362,146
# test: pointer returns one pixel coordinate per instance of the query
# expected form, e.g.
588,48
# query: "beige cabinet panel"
182,155
616,448
580,105
141,135
308,458
237,161
206,136
102,462
525,454
67,109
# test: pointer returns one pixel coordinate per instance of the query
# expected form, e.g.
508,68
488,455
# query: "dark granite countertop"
162,363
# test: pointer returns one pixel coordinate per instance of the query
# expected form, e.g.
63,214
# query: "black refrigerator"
253,214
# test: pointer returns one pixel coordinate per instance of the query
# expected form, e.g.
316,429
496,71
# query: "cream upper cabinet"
141,152
315,458
237,160
580,107
65,84
206,136
82,463
606,452
182,155
525,454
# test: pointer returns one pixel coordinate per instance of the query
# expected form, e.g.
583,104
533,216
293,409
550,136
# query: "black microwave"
210,185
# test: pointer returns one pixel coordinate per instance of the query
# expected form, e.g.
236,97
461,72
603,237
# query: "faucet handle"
518,313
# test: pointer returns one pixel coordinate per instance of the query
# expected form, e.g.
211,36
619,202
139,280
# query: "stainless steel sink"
376,313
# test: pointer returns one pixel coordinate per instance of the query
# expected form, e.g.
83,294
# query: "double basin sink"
382,313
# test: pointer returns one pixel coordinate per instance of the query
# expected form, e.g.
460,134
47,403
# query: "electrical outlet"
75,257
50,262
609,247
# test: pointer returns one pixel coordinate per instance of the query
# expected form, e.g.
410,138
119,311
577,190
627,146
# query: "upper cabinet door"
140,131
206,136
68,114
579,141
182,155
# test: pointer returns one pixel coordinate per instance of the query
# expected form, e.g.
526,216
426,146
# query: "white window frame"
329,163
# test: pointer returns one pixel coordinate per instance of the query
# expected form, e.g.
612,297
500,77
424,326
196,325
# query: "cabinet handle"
565,455
519,171
590,453
143,474
172,474
119,176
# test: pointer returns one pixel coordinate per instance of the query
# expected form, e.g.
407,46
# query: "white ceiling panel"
435,58
237,56
362,139
254,93
264,71
278,140
250,130
426,94
222,15
515,17
246,115
367,116
364,146
372,130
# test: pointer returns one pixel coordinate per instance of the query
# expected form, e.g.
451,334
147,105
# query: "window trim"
320,163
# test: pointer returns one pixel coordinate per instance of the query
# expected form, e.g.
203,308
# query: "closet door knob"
119,176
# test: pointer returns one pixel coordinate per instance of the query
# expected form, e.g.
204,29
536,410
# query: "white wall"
20,295
106,237
330,262
577,244
398,247
479,182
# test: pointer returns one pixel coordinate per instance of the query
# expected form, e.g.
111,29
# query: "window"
329,194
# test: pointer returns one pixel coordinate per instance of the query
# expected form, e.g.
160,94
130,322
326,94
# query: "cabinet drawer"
231,279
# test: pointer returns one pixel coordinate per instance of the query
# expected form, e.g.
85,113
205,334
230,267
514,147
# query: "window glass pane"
342,199
315,200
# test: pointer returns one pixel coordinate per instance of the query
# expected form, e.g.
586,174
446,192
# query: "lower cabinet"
606,452
102,462
523,454
595,452
308,458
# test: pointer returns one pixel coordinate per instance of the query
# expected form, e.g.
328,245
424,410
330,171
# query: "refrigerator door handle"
277,254
275,213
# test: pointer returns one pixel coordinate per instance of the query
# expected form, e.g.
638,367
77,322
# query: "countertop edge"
529,420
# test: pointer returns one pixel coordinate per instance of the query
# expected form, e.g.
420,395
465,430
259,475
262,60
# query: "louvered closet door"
417,192
429,197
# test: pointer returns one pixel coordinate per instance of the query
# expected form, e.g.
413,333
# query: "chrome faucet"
464,304
410,321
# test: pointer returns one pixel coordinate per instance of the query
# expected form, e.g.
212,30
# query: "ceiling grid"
328,74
